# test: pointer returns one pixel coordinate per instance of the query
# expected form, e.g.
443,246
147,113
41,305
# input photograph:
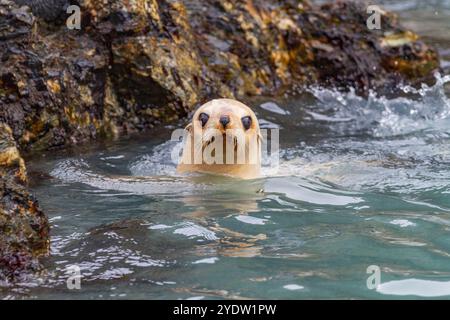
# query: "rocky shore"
135,65
24,228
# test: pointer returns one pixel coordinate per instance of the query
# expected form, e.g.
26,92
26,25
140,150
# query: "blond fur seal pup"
223,138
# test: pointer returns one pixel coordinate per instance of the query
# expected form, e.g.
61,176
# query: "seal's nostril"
224,120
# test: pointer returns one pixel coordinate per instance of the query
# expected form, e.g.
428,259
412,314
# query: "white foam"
273,107
403,223
192,230
293,287
415,287
251,220
206,260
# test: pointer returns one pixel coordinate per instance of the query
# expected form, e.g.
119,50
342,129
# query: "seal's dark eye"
203,117
246,122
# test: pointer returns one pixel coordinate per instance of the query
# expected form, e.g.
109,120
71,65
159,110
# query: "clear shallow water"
362,181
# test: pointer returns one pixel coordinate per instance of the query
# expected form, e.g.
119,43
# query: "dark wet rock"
138,64
49,10
24,229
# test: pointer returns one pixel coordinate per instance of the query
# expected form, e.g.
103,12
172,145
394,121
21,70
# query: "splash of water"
380,116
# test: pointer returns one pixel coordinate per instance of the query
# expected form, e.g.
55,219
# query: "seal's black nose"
224,120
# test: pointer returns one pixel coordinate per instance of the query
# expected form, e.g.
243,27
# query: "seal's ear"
188,128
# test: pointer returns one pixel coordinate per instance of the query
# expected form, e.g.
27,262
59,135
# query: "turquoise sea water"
361,182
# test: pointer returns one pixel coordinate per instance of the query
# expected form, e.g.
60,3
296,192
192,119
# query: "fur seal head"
223,138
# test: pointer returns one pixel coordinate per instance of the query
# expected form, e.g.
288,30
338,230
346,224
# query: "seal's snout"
224,120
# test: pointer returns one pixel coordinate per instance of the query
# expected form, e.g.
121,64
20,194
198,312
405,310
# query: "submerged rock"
139,64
